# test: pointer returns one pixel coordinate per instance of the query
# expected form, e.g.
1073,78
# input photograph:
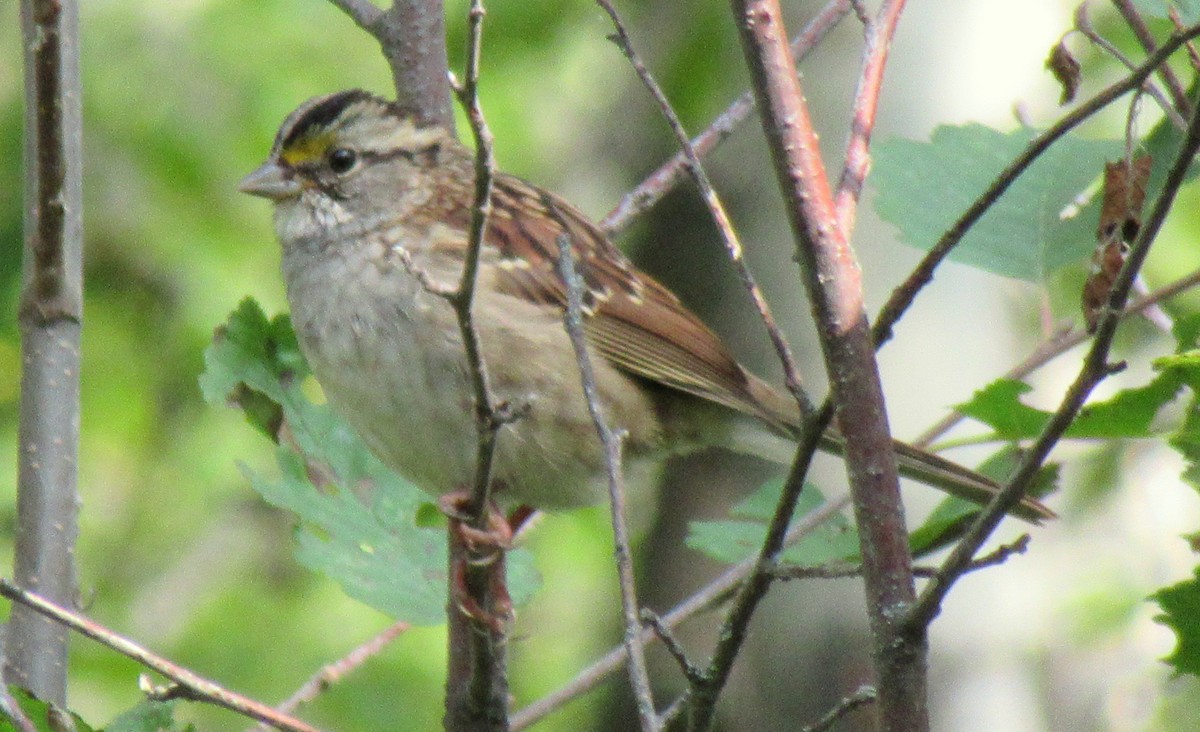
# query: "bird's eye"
342,159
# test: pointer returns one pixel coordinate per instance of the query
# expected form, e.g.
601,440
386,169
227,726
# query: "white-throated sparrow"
371,208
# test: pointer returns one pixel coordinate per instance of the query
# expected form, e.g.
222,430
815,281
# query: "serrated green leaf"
924,187
999,406
253,351
375,546
734,540
1181,613
1186,441
149,716
1129,414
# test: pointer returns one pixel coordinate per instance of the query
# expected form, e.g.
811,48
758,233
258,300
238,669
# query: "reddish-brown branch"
866,105
834,284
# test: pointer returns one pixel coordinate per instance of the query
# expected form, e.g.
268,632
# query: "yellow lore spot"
307,149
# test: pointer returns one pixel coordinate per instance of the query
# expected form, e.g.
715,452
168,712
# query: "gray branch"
50,316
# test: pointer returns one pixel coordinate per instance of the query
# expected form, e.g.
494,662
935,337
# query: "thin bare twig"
331,673
703,696
693,673
1177,21
1095,368
198,687
12,711
639,677
706,598
1083,24
904,295
464,297
1149,45
844,570
656,185
716,209
863,696
880,31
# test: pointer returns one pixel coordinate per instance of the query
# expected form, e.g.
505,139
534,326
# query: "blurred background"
176,551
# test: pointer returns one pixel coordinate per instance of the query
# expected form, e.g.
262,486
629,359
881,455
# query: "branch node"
693,673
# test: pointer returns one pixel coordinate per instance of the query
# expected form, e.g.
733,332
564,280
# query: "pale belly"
399,377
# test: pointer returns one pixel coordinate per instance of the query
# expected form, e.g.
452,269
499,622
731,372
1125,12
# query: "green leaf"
149,716
1186,441
924,187
250,350
360,523
249,364
734,540
1129,414
999,406
45,717
1186,365
1181,613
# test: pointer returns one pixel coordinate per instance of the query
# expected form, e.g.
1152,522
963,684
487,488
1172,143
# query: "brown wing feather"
639,326
631,320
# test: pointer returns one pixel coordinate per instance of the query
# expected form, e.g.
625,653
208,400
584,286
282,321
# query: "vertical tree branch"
477,681
413,39
412,35
834,284
50,317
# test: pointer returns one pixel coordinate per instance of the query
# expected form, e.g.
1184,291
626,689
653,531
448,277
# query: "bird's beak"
271,181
